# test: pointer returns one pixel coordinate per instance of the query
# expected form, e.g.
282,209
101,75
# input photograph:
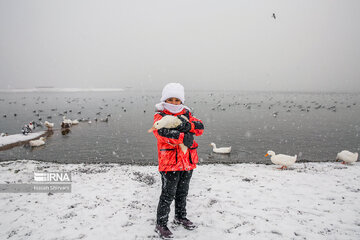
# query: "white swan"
347,157
224,150
281,159
38,142
169,121
48,124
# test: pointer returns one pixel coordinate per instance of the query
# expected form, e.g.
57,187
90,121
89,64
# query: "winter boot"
164,232
186,223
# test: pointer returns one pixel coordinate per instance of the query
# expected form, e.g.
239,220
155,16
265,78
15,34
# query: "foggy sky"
204,44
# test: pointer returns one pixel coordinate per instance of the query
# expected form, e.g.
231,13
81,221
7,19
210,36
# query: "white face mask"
173,108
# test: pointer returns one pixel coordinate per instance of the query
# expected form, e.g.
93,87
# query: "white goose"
66,123
48,125
66,120
281,159
38,142
224,150
169,121
347,157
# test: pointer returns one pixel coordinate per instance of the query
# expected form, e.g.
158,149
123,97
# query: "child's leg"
169,184
181,194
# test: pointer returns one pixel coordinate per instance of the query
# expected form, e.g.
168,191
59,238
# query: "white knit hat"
173,90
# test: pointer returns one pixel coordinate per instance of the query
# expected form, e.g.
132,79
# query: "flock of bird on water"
171,122
279,159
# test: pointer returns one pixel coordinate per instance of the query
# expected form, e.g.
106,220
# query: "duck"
104,120
66,123
49,125
66,120
84,120
169,121
25,129
281,159
32,125
38,124
347,157
223,150
38,142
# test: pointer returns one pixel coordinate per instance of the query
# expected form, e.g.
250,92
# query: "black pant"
174,185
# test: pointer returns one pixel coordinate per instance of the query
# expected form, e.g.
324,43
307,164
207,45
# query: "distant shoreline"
52,89
129,89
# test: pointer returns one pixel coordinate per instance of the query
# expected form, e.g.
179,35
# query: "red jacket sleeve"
165,135
197,126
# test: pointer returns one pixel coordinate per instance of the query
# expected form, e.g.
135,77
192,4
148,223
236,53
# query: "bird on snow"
281,159
223,150
25,129
169,121
38,142
347,157
32,125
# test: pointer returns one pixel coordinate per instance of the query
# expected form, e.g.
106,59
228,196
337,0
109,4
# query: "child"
175,166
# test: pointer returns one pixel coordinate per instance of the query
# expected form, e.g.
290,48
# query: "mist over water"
203,44
315,126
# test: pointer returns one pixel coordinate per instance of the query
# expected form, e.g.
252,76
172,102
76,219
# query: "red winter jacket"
170,156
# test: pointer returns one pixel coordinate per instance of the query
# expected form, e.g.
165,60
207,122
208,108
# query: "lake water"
315,126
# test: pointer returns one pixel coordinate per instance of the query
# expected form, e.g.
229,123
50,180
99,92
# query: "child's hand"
188,139
185,126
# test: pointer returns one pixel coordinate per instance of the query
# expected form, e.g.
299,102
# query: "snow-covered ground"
17,138
243,201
